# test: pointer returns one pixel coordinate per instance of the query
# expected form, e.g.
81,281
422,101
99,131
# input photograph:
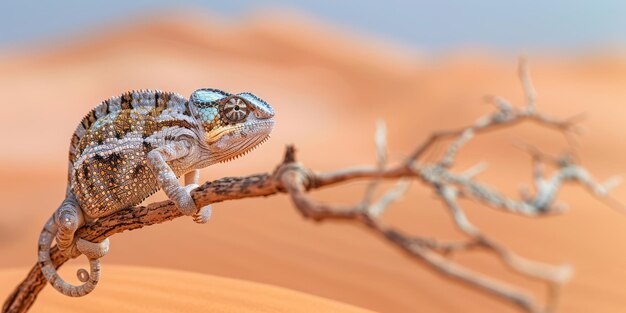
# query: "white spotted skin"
130,146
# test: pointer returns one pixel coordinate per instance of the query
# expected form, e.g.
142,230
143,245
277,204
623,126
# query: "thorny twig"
296,180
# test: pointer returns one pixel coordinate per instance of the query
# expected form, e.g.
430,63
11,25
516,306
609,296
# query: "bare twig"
529,90
381,156
296,180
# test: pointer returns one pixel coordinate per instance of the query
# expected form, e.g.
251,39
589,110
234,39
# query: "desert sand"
328,87
141,289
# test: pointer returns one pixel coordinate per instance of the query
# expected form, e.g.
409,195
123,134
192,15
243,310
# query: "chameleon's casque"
132,145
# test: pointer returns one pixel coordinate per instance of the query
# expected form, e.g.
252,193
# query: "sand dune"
328,89
141,289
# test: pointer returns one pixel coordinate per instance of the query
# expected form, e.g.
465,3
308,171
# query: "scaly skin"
130,146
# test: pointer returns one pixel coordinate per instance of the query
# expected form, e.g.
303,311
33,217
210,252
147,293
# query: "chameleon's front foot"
167,178
183,200
200,216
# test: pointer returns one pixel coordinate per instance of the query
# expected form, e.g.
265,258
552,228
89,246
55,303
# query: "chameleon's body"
130,146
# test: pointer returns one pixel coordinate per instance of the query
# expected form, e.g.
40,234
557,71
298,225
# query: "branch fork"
297,181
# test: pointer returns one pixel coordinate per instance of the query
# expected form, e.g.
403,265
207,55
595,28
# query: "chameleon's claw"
203,215
93,250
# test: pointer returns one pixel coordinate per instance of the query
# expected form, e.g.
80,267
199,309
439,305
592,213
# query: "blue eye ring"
208,95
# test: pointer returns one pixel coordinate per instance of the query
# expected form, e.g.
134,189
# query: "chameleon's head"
233,124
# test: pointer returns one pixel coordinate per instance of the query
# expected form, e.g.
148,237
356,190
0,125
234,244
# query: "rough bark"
296,180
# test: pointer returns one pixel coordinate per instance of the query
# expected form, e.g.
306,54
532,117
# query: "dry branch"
293,178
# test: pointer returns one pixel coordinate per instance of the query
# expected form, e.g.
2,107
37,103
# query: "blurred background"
330,69
429,26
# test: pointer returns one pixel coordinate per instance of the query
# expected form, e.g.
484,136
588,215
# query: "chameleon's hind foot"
93,250
68,218
203,215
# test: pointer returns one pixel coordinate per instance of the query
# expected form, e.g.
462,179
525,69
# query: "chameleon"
135,144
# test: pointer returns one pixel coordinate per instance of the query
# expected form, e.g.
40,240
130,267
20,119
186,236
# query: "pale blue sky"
513,26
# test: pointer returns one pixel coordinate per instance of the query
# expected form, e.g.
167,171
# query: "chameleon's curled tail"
47,268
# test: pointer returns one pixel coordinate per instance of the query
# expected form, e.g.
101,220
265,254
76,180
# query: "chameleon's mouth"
246,150
238,140
254,128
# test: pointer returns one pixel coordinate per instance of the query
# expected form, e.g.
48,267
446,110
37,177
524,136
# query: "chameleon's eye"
234,109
